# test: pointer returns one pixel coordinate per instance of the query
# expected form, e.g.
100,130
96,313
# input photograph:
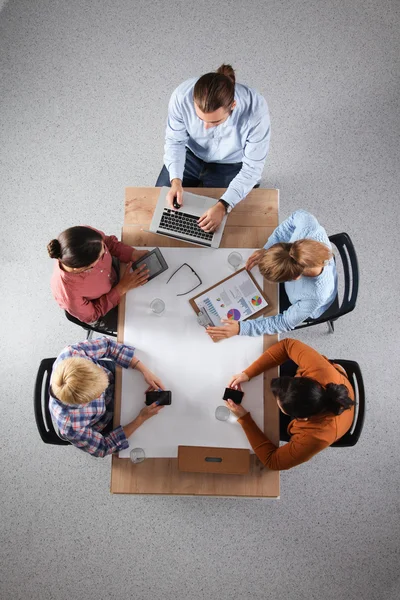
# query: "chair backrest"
348,255
349,261
41,405
87,327
355,377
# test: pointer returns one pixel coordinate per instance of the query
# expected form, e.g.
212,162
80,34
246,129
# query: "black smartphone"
235,395
162,397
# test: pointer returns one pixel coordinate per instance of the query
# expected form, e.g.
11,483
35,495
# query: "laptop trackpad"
196,205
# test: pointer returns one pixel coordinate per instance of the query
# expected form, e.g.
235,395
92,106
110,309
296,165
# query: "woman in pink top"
84,281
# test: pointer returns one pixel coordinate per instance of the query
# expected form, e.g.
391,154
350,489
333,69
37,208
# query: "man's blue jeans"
198,173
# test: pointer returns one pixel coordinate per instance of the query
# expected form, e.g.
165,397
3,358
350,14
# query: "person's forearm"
276,355
240,186
264,326
137,364
262,446
132,426
89,311
175,156
286,321
255,154
120,288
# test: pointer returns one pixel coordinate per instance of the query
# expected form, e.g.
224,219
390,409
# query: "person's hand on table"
212,218
236,380
228,330
175,193
132,279
254,259
136,254
154,382
146,413
237,409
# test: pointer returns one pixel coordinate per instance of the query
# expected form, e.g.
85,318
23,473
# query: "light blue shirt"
309,296
243,137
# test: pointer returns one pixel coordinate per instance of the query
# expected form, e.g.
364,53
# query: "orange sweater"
307,437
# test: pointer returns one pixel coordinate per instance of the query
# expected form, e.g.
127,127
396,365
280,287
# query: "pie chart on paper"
256,301
233,314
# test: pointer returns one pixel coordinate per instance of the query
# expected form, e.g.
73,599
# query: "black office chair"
348,255
41,405
108,326
355,377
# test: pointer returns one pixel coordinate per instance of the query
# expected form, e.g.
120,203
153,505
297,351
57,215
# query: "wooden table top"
248,226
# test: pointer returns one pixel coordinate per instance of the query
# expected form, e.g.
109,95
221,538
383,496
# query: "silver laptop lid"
182,223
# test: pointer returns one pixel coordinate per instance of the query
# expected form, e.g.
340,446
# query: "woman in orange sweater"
319,399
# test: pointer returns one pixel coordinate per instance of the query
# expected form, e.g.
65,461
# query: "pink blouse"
91,294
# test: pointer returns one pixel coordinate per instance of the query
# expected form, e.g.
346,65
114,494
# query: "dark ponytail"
215,90
303,397
76,247
337,398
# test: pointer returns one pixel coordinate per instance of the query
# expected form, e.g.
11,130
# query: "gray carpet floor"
84,93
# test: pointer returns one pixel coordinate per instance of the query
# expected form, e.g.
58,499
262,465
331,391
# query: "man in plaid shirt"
82,395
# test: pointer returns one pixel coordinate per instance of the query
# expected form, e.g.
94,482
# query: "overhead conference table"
248,226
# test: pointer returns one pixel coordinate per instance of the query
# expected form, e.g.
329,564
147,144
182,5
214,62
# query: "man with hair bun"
299,254
217,135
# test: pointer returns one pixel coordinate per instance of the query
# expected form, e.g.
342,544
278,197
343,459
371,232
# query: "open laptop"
182,224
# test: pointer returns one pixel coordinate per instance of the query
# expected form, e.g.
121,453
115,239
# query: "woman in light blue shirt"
299,254
217,135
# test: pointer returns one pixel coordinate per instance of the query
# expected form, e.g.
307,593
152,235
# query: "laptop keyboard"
179,222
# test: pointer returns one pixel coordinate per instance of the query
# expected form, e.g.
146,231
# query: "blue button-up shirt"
310,297
82,425
243,137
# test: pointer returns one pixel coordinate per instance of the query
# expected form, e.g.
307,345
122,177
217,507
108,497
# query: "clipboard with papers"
237,297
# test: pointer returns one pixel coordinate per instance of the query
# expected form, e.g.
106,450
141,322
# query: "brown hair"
78,381
215,90
76,247
285,262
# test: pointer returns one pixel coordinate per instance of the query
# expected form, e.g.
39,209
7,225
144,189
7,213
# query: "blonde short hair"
78,381
285,262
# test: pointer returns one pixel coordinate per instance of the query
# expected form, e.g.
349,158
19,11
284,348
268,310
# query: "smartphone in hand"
162,397
235,395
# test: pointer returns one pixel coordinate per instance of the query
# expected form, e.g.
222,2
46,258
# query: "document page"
236,298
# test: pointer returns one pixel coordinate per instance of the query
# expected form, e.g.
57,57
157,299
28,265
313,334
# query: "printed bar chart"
246,309
210,307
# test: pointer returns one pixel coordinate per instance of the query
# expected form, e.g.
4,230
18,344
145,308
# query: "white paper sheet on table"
196,370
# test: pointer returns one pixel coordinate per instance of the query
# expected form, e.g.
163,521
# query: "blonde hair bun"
286,262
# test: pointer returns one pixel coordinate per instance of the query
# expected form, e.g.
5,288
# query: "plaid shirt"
82,425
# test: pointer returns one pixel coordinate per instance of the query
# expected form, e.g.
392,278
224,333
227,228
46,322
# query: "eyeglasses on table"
193,271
